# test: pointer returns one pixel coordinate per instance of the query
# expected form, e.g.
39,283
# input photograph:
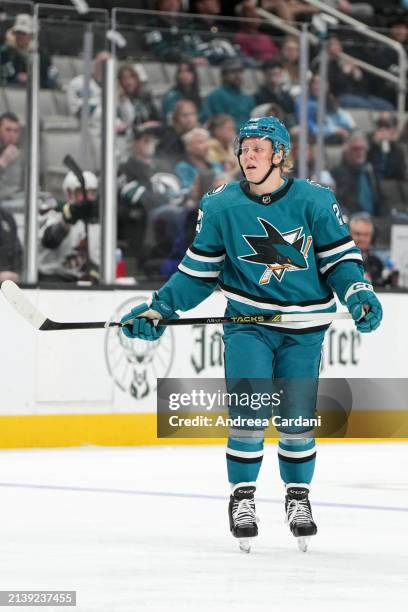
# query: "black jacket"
347,178
10,246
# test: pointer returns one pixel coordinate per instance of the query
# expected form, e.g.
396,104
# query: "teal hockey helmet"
265,127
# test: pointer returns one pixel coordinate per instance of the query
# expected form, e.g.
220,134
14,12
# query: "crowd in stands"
180,144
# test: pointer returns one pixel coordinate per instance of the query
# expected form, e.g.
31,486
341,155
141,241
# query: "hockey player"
70,233
273,245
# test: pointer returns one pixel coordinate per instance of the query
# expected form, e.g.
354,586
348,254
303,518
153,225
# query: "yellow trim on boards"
105,430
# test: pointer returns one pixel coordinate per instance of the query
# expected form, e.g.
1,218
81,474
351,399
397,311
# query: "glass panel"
69,227
16,27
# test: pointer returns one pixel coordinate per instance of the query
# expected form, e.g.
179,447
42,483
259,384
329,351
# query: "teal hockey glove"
144,320
364,306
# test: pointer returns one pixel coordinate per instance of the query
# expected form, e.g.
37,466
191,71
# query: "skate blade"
303,543
245,545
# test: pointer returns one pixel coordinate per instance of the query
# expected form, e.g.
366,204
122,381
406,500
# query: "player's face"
256,157
91,195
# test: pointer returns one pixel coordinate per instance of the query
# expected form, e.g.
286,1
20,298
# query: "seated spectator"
385,154
76,88
169,37
338,123
253,42
289,58
357,186
229,97
70,234
15,56
137,195
362,232
186,87
10,248
214,34
11,156
324,178
274,110
135,105
221,146
196,143
171,147
274,89
347,82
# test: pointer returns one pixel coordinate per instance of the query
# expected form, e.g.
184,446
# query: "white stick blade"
15,296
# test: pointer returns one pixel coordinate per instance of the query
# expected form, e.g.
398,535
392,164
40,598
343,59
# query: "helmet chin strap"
267,175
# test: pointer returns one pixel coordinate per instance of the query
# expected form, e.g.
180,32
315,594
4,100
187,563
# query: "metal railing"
401,80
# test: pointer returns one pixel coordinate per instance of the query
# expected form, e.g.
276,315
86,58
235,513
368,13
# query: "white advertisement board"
100,371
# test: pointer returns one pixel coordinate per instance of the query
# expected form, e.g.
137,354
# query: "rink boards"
95,387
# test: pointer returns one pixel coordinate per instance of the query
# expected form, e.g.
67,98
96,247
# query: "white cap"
71,182
23,23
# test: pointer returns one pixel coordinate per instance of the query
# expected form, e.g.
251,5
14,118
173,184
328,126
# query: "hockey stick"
15,296
71,164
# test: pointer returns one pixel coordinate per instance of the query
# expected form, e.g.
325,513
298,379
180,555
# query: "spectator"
215,35
76,88
362,232
338,123
274,89
137,193
15,56
357,186
197,143
385,154
135,105
11,156
70,234
289,58
347,81
230,98
186,87
168,36
274,110
254,43
10,248
221,146
183,119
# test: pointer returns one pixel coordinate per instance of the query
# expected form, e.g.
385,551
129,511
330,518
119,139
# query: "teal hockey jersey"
284,252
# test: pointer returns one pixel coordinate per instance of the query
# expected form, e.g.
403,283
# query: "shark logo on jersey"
278,252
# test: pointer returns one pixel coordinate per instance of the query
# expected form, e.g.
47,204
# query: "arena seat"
363,118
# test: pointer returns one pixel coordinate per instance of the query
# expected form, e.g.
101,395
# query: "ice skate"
242,516
299,514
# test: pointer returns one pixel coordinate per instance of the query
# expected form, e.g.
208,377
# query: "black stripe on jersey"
196,251
337,263
244,459
296,460
278,302
333,245
273,197
205,279
298,332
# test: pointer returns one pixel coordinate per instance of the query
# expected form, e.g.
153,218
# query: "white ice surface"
146,529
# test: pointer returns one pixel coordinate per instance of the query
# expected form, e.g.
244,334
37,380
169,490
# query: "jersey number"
338,214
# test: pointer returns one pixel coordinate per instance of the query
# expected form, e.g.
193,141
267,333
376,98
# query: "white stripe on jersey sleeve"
336,250
353,256
205,258
199,273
